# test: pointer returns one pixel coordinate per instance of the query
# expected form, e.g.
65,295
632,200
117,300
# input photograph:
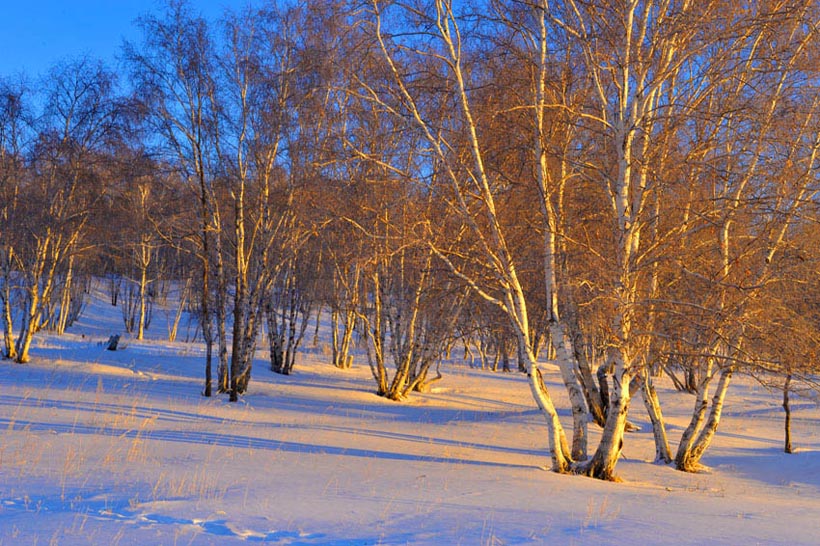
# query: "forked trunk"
595,404
345,358
603,462
698,415
710,428
689,460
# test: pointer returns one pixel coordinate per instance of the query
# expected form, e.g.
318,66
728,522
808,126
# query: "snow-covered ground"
101,447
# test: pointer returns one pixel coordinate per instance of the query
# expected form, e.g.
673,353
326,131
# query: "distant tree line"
628,189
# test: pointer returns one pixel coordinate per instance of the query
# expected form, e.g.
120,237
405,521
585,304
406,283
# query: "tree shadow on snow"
772,466
240,442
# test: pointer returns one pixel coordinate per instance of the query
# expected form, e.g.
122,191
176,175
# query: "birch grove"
622,192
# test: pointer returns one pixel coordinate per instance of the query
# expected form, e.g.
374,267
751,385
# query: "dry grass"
88,446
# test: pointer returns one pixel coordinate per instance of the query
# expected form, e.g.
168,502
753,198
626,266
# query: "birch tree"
173,74
632,53
63,185
457,151
12,171
257,97
142,250
761,163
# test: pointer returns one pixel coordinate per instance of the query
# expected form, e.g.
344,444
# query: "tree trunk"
505,355
698,415
41,284
522,358
277,355
603,462
143,289
183,299
65,298
559,450
375,336
692,380
788,421
227,374
595,403
690,452
334,339
205,311
565,357
114,285
9,349
603,388
653,408
483,347
274,340
347,338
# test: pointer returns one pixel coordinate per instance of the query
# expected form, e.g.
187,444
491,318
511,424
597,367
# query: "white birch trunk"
688,459
183,300
65,298
716,412
565,353
603,462
566,364
558,448
653,408
49,251
698,414
143,289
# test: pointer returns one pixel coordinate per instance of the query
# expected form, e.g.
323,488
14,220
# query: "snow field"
115,448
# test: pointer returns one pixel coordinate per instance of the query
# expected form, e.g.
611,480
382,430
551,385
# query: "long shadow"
774,410
379,408
237,441
773,466
137,411
394,411
173,416
429,440
171,381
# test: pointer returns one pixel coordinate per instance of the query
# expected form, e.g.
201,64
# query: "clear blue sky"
34,34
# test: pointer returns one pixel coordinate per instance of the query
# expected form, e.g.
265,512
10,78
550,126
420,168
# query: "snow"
116,448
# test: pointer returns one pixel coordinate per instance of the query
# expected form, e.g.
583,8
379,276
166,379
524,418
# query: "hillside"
101,447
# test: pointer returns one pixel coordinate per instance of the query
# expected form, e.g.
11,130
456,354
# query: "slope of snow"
101,447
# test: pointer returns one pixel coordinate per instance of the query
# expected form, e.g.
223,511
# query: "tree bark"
690,452
653,408
65,298
787,423
9,349
603,462
566,364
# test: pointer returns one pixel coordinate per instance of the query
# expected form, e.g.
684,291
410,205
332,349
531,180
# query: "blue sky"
34,34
